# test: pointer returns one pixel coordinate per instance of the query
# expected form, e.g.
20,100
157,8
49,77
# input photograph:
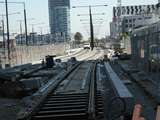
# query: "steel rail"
49,104
92,94
39,97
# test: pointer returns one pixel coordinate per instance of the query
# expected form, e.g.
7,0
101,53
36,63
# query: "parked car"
86,46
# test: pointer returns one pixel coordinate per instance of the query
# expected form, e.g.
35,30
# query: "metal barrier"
120,90
145,43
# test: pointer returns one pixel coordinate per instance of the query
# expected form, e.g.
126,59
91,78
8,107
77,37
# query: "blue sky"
38,9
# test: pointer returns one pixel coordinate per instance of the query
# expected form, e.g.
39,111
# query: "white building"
129,17
135,21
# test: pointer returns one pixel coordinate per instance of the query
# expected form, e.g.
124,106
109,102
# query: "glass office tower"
59,19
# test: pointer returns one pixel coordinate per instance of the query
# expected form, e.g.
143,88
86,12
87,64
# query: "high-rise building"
59,19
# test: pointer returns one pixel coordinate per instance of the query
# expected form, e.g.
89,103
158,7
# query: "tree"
78,37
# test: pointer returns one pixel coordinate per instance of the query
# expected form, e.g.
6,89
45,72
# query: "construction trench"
82,90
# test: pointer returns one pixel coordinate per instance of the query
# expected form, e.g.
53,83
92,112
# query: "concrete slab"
120,88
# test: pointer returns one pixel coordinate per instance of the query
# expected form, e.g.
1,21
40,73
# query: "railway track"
79,54
74,98
139,91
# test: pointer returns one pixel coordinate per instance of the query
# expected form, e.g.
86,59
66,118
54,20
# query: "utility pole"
25,16
4,55
4,39
33,36
8,39
20,27
91,29
25,22
91,23
3,33
20,31
41,34
88,23
21,41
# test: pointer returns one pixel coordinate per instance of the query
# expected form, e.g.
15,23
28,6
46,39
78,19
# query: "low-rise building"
135,21
35,39
126,18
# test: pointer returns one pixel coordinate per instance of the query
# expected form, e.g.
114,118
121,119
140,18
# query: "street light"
2,15
98,22
91,22
41,28
20,23
88,19
45,29
8,40
14,13
25,16
91,25
21,41
33,29
92,14
36,25
3,31
90,5
21,48
7,22
20,28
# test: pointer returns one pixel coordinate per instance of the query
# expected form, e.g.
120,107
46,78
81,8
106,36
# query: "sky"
38,9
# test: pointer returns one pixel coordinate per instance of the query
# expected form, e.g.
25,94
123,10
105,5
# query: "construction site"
72,60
